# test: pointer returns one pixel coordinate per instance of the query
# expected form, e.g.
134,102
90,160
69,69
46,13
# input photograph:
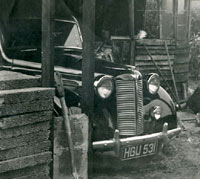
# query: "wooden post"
160,19
132,32
47,46
189,18
175,18
88,63
88,68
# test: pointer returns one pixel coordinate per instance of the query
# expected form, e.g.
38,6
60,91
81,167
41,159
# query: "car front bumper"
116,143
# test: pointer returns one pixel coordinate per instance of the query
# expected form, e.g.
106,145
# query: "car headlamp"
153,83
104,86
156,112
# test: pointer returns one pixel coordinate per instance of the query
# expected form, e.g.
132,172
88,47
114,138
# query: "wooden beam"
88,68
175,18
132,31
47,46
88,63
160,18
189,18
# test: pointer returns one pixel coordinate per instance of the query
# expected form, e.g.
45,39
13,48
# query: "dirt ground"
180,159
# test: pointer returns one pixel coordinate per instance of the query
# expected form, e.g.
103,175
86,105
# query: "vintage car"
133,115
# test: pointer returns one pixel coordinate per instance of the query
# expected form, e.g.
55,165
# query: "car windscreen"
67,34
27,34
20,22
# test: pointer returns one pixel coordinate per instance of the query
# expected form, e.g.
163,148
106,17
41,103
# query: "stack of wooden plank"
178,55
25,145
159,54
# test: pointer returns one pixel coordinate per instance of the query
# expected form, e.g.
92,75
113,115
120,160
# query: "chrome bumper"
115,143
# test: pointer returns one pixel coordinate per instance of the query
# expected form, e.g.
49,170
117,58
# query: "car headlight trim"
156,112
153,83
104,86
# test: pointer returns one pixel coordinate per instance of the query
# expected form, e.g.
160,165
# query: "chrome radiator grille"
129,107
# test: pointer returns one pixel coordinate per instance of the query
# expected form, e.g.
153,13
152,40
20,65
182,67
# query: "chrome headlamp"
104,86
153,83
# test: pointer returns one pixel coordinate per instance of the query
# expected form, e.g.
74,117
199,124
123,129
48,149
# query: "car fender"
162,99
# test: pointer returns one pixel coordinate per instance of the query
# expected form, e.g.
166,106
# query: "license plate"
140,150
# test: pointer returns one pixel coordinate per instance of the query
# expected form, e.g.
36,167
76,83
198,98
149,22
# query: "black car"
134,115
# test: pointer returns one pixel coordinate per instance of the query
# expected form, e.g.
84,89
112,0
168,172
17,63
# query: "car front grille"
129,98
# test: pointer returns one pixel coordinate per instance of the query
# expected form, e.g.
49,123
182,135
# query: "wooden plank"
159,63
27,129
48,12
158,47
24,140
14,80
154,52
25,119
11,75
154,42
181,60
182,51
182,73
171,48
27,161
166,75
19,84
155,57
43,168
26,107
181,68
34,176
152,68
24,95
186,53
182,47
26,150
